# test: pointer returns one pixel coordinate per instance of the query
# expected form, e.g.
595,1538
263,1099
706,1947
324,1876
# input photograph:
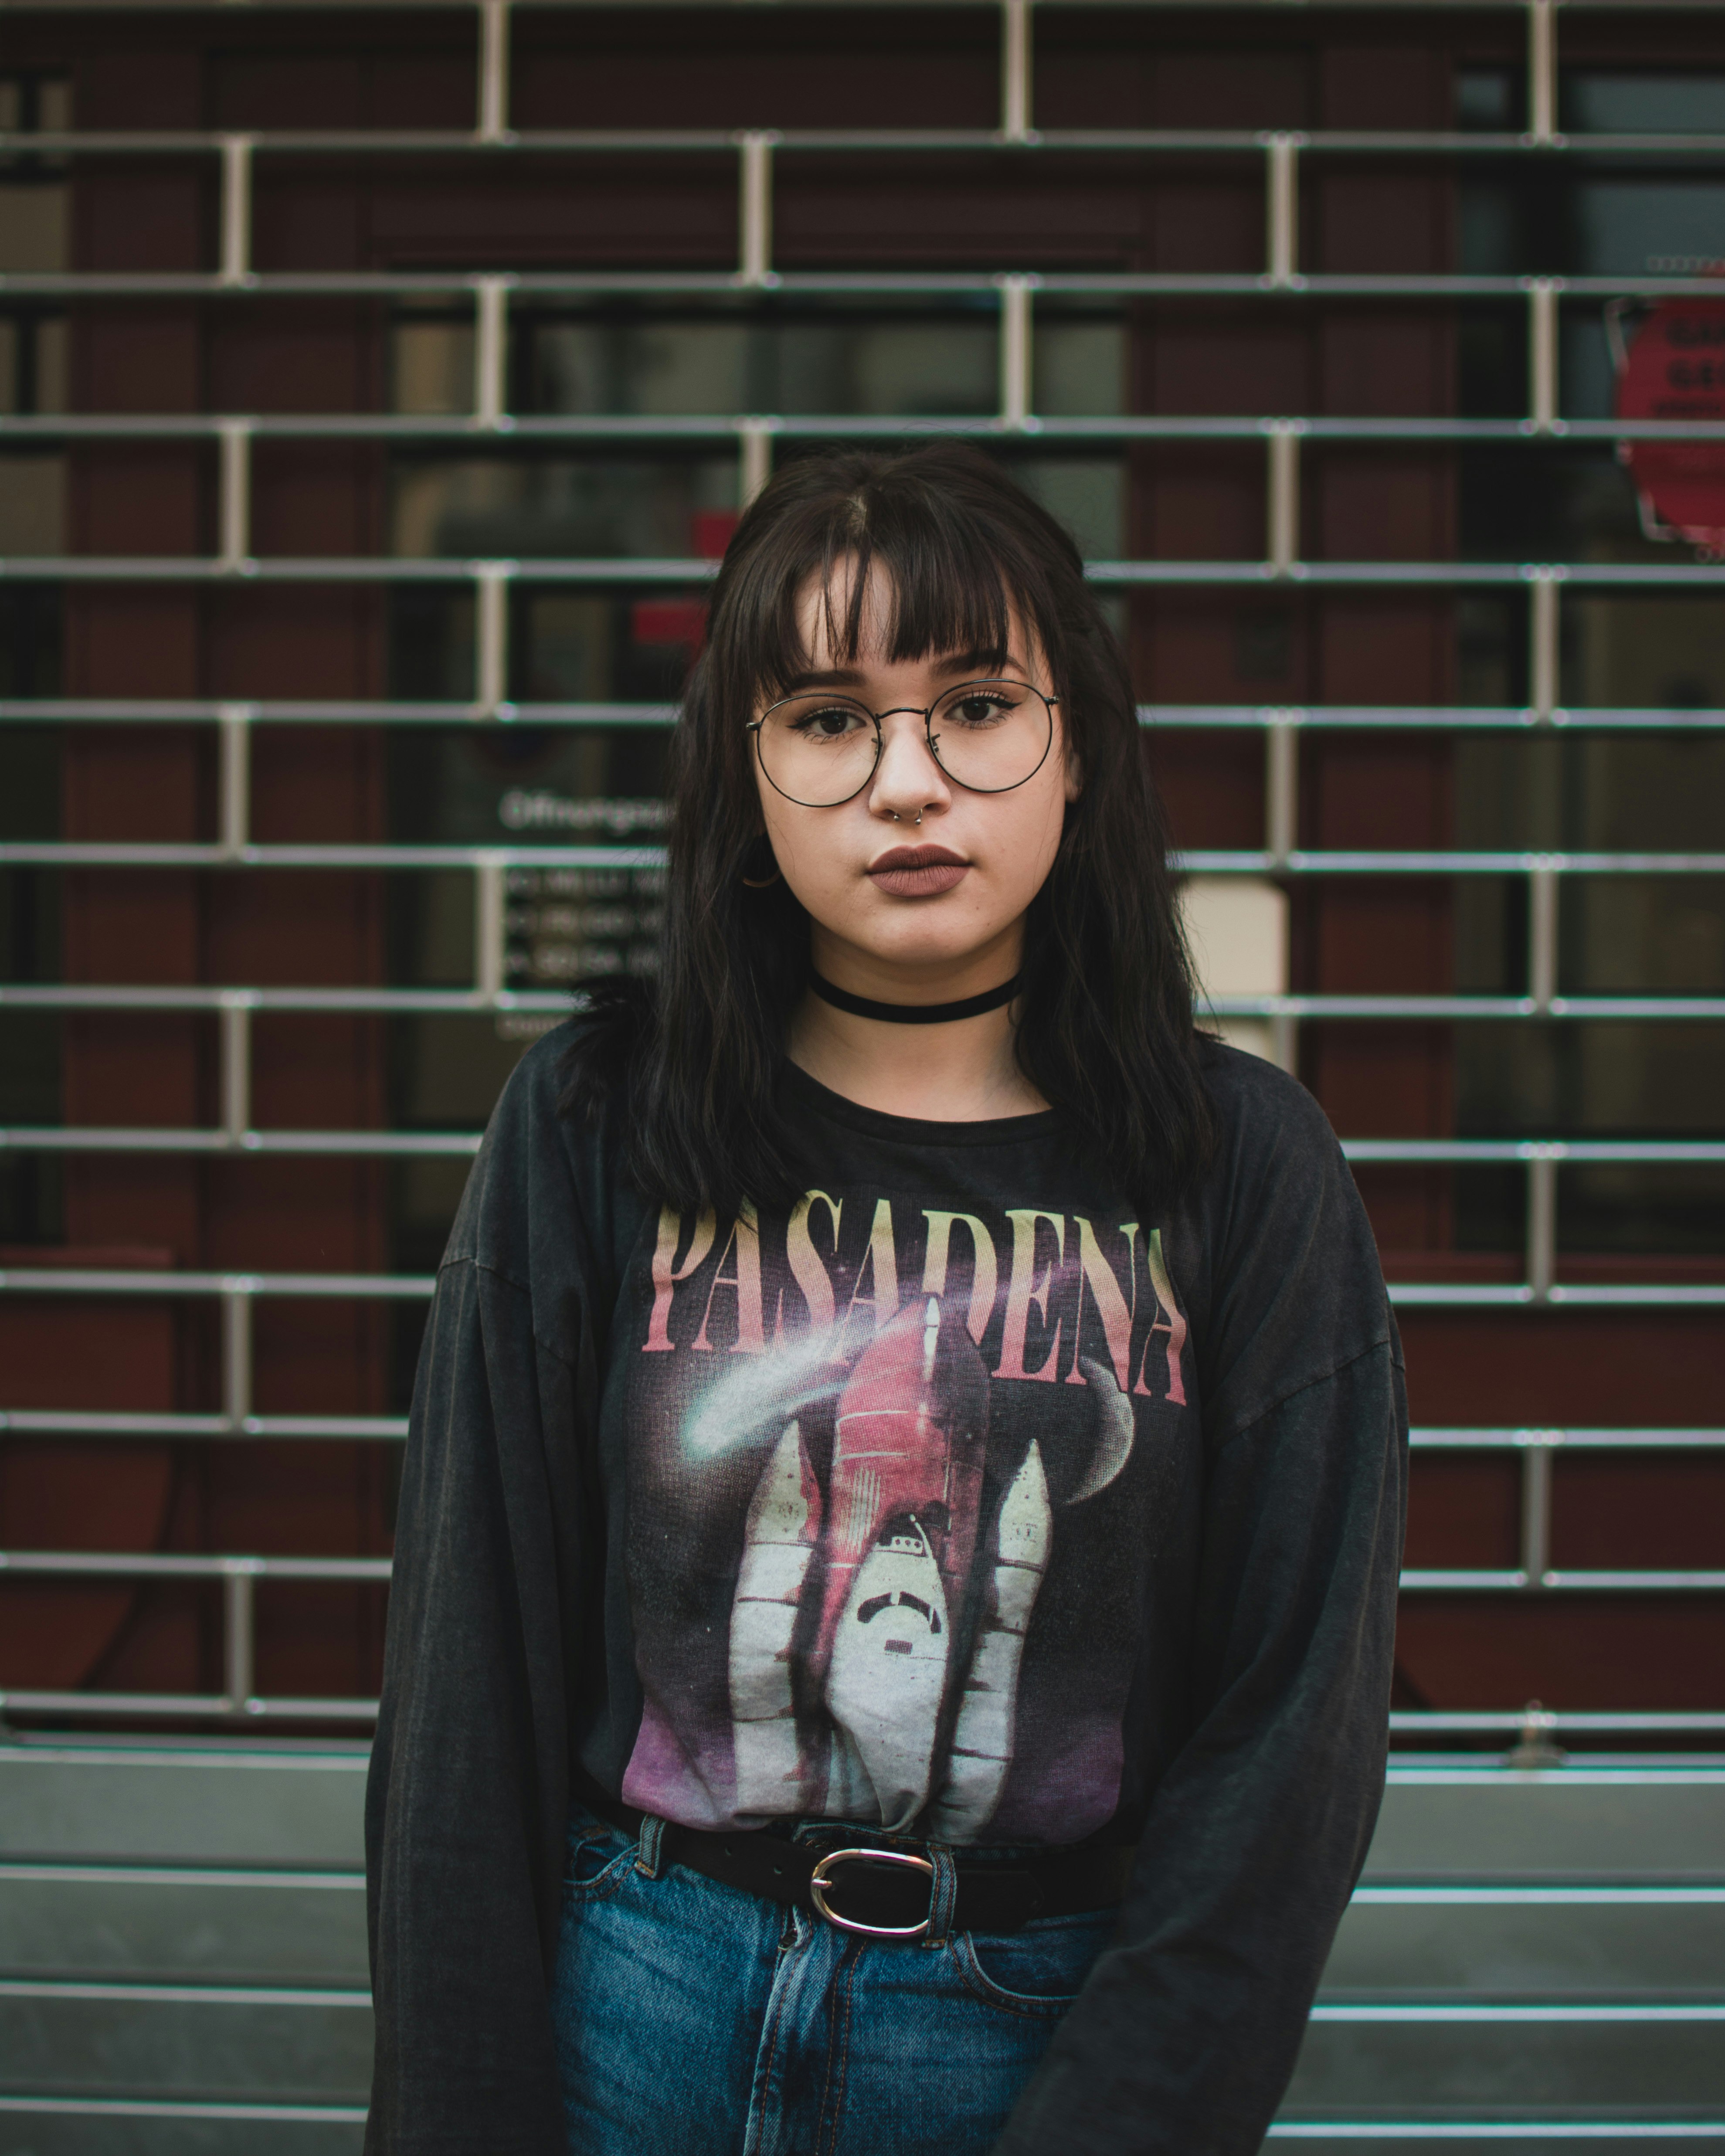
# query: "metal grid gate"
477,307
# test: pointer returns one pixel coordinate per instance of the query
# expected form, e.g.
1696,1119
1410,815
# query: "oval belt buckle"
821,1878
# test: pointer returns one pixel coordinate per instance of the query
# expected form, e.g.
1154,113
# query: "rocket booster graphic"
983,1740
784,1524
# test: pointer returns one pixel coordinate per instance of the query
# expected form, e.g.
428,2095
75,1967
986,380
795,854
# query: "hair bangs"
903,570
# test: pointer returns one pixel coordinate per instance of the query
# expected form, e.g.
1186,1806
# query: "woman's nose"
907,780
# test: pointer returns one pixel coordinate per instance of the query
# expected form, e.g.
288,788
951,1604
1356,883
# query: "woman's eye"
978,709
827,725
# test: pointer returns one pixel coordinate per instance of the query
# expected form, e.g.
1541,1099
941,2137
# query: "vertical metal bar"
1281,839
1015,351
1542,1257
236,1066
1543,353
1542,932
239,1578
1282,786
491,637
237,208
1282,206
494,72
235,505
488,928
754,264
754,439
1542,71
1016,49
1283,536
490,350
234,777
237,1351
1536,1506
1544,643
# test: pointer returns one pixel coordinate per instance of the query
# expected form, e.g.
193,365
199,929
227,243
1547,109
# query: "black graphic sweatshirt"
955,1500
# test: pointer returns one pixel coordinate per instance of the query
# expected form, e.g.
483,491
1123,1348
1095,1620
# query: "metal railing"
498,300
239,1576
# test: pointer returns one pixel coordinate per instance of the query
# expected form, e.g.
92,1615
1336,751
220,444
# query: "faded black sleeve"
1185,2035
467,1803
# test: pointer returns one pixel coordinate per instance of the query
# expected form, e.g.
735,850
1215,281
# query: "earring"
758,883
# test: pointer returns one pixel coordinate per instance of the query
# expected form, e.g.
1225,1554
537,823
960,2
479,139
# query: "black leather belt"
884,1893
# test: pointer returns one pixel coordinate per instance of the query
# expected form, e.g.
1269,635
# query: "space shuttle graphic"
916,1660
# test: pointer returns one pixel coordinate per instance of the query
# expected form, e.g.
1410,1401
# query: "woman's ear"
1074,771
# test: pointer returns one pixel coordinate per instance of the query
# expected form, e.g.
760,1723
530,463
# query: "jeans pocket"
599,1859
1037,1972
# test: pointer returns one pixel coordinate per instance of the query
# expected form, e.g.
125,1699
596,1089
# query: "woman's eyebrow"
835,677
967,662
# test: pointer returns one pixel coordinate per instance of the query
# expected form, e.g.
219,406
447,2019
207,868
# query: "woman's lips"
918,871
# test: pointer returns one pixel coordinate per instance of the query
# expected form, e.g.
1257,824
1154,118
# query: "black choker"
915,1014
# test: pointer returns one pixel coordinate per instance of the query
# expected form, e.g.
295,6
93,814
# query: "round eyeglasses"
819,750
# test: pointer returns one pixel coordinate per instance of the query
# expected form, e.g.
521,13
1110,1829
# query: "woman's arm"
1184,2037
467,1807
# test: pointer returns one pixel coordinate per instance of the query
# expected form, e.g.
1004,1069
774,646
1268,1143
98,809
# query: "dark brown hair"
1106,1034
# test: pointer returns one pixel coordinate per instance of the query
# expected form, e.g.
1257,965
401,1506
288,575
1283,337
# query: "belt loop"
943,1895
648,1857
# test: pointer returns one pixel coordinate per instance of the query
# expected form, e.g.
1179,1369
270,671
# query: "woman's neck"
961,1071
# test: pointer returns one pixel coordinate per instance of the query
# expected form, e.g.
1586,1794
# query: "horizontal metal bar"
77,1422
1424,1721
182,1707
1455,1581
401,1145
1044,142
54,1280
103,1423
147,855
1577,1152
1383,718
214,854
1451,1295
1600,1439
417,1145
190,2112
516,431
1491,2010
610,571
331,568
104,1564
1534,1894
107,710
49,1279
382,1002
1513,8
379,1003
69,286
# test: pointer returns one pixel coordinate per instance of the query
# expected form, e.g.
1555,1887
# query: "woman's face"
893,902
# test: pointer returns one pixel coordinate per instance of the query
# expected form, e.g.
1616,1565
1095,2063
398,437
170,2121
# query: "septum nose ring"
895,816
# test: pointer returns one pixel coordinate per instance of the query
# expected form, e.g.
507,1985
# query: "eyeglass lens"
819,750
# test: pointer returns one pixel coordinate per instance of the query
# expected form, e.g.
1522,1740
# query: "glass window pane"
514,506
1078,368
431,365
1597,103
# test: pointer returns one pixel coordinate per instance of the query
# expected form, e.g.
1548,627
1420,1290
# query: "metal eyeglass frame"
1051,704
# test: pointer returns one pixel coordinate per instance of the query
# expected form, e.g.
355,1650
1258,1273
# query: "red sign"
1674,369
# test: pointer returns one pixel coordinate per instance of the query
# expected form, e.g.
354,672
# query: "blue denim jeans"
696,2019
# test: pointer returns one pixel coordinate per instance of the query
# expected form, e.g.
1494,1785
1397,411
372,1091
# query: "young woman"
891,1641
